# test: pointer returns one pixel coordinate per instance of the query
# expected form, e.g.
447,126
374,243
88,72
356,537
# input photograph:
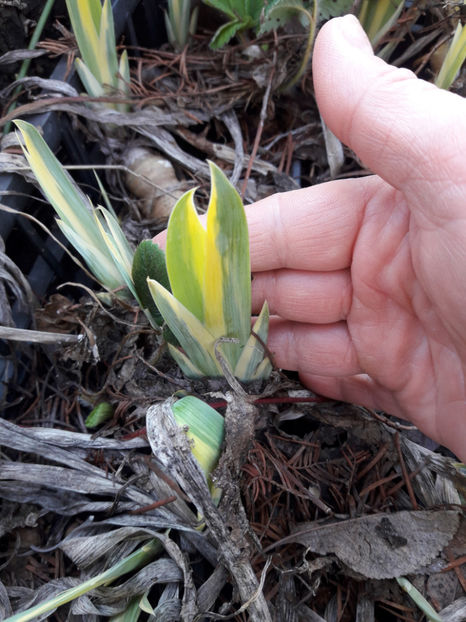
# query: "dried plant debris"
124,489
382,546
170,445
345,468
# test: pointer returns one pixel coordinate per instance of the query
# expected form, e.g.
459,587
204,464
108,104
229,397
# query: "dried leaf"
382,546
456,612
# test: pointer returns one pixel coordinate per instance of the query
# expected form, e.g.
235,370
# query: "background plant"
94,232
100,70
180,22
454,58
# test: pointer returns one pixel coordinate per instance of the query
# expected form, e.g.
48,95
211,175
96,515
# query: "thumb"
406,130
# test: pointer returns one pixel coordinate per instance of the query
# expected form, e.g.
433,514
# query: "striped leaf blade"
123,80
107,47
85,18
92,86
101,265
454,59
227,289
124,250
186,260
116,247
184,363
197,342
70,203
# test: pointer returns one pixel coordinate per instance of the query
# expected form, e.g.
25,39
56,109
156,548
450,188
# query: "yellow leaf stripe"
213,290
186,256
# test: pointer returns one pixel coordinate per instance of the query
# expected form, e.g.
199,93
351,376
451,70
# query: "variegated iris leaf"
99,68
94,232
209,309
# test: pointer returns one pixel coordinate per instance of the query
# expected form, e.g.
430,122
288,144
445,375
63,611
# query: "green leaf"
101,265
145,605
453,60
184,363
141,557
85,21
209,268
279,12
177,22
209,272
123,251
334,8
100,71
131,613
263,370
101,413
419,599
242,14
149,261
225,6
225,33
116,245
71,204
124,79
107,60
205,428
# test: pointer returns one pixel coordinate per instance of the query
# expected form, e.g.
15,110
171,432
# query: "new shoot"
209,311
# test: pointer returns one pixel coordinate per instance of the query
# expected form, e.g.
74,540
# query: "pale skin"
367,276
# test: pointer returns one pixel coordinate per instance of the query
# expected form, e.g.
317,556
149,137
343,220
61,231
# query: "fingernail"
352,31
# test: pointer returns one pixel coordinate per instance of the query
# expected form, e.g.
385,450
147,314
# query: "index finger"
309,229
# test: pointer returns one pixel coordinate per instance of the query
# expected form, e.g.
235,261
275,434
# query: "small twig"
378,456
154,506
455,564
37,336
260,128
179,383
386,421
312,18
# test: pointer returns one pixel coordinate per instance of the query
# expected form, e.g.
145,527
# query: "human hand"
368,276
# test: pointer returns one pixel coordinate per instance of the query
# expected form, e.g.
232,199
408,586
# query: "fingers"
310,297
310,229
406,130
326,350
357,389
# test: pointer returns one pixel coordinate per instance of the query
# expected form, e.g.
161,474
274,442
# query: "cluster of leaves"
252,14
